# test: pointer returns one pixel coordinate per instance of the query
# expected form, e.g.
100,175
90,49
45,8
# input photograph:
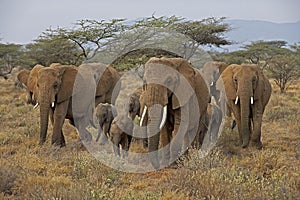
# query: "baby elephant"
121,134
105,114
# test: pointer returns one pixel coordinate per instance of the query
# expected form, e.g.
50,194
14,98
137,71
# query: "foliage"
208,31
284,69
10,56
119,36
53,50
88,35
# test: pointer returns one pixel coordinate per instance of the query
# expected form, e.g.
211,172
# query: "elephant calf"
105,114
121,134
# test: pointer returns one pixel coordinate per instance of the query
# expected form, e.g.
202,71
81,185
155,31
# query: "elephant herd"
178,105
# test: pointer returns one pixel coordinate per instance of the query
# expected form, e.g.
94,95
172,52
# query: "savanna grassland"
29,171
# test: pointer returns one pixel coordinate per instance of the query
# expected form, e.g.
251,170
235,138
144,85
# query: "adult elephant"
58,85
211,71
247,94
175,97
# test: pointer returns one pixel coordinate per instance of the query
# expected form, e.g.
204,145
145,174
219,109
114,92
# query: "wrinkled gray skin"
105,114
121,134
72,93
174,84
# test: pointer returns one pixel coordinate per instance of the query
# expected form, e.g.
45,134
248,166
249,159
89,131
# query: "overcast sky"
22,21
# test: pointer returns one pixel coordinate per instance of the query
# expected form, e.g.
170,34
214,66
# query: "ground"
29,171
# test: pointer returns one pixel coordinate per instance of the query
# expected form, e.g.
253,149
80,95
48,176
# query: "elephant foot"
102,140
154,160
257,144
58,143
42,142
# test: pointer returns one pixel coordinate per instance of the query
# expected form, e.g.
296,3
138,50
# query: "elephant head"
247,93
105,114
134,103
54,85
173,92
29,79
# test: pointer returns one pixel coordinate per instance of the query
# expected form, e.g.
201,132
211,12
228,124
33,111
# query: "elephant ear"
187,76
68,76
23,76
261,84
227,77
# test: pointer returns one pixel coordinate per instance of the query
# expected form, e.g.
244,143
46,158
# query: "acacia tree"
261,52
92,35
88,35
284,69
209,31
45,51
10,57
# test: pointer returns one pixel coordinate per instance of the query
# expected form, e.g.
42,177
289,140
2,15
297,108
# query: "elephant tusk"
236,100
164,118
251,100
36,105
52,104
143,115
212,83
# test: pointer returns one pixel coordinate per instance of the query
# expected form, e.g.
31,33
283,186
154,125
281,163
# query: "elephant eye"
168,81
235,80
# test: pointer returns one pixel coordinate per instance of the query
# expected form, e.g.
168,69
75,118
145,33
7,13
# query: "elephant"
69,92
121,133
211,71
134,103
175,101
247,93
29,80
105,114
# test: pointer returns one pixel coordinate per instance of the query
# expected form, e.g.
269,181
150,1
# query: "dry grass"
28,171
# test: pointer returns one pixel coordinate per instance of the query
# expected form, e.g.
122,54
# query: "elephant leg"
116,142
59,115
237,116
178,136
153,144
165,137
125,145
257,122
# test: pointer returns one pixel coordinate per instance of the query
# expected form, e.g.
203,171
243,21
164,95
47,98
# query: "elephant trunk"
245,119
153,131
44,119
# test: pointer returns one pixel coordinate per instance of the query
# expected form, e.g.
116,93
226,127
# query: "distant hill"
245,31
